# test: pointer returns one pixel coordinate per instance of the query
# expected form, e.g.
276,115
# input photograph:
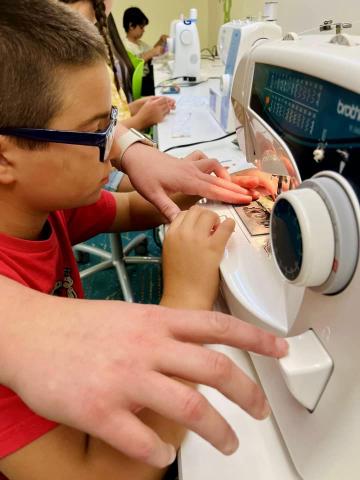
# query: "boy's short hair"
37,39
133,17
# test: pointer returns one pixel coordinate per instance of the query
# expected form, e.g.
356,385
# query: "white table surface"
262,454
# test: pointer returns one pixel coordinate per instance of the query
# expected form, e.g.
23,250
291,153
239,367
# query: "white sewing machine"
184,43
234,40
292,266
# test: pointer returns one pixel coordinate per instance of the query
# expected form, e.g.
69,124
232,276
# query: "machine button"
186,37
306,369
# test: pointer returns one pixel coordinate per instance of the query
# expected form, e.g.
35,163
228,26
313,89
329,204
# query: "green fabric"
138,64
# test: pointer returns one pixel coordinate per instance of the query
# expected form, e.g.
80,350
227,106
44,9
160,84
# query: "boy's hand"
193,248
153,111
157,50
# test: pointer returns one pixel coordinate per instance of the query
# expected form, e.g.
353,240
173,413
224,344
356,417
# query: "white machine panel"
184,43
292,266
235,39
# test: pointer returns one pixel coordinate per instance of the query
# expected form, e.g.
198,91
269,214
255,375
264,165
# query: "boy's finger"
224,231
207,222
191,217
178,220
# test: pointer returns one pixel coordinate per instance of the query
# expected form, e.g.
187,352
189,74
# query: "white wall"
300,15
294,15
240,9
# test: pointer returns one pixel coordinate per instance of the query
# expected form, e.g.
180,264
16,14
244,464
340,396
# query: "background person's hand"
93,365
156,175
256,180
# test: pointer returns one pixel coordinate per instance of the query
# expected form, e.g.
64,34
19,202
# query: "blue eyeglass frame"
103,139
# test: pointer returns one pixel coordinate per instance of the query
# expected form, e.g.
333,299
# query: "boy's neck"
17,221
131,39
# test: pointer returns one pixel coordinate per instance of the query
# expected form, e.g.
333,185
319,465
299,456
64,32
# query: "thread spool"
271,11
193,14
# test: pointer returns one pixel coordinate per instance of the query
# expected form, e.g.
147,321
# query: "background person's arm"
198,237
124,366
166,174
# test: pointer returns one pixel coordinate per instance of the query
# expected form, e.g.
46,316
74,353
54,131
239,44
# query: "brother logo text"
349,111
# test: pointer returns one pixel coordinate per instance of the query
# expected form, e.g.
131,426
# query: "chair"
137,78
118,257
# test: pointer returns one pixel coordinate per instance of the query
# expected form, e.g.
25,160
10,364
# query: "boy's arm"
65,453
133,212
193,248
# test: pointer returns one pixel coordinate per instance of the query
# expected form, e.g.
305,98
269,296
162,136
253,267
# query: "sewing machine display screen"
308,113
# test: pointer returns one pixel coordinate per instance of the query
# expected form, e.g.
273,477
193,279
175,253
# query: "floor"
145,280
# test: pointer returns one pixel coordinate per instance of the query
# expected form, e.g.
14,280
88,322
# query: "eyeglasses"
102,139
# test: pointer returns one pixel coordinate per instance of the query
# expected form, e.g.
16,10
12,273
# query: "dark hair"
102,25
37,39
133,17
127,68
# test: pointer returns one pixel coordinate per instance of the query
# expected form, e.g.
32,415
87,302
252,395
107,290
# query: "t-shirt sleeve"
132,47
86,222
19,425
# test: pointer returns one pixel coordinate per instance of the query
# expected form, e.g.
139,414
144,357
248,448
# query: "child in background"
139,114
134,23
56,143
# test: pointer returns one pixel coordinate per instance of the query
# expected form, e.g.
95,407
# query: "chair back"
138,64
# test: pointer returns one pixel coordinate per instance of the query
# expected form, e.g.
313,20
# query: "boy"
51,197
134,23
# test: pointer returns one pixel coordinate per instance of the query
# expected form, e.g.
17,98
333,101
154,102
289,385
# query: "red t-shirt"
48,266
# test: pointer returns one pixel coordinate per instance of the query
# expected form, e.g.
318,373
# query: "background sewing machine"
234,40
184,43
299,104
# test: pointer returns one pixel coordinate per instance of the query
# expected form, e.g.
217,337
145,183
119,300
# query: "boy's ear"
7,170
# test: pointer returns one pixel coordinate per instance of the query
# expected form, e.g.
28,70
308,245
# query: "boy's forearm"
148,55
186,300
134,121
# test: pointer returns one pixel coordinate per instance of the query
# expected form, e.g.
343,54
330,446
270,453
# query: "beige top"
138,49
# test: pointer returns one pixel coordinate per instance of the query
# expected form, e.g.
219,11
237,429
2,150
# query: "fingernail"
282,346
231,446
266,410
